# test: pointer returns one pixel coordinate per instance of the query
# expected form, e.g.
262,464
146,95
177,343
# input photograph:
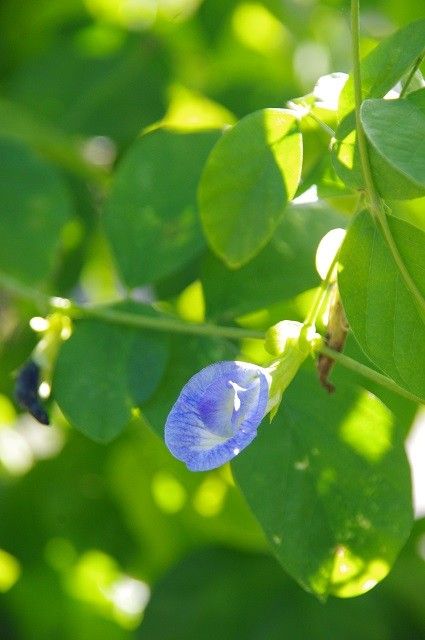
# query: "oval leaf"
250,176
385,65
381,311
396,128
390,182
34,207
337,482
103,371
151,218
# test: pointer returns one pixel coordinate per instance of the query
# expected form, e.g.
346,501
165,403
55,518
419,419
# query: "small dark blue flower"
217,414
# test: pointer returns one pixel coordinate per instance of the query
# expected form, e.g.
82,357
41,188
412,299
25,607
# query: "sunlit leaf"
337,482
382,312
385,65
250,176
394,128
390,182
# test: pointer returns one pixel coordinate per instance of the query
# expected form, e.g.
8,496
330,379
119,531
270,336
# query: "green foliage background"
88,529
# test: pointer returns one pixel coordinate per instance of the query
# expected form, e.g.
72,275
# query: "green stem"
113,316
18,290
168,324
322,124
368,373
375,205
321,294
71,309
305,112
411,74
361,137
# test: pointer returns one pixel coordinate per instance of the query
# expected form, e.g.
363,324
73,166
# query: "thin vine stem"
373,197
321,294
322,124
411,75
366,372
167,324
46,303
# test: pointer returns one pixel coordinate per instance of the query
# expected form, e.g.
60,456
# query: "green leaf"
380,71
385,65
417,98
60,148
227,592
381,311
250,176
408,577
403,410
282,270
34,207
233,595
396,128
390,182
103,371
329,482
151,218
83,87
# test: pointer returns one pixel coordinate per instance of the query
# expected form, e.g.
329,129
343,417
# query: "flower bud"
291,341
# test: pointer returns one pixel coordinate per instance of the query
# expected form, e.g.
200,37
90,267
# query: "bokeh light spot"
168,493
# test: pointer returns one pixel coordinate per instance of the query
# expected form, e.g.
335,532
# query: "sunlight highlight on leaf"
368,427
139,15
210,495
191,303
190,110
10,570
258,29
131,14
352,576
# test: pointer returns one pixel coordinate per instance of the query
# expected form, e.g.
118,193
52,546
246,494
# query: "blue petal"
217,414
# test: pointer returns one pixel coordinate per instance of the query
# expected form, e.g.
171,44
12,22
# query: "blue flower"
217,414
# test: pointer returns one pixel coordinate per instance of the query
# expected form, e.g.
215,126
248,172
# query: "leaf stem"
162,323
366,372
322,124
45,303
361,137
305,111
321,294
411,74
373,197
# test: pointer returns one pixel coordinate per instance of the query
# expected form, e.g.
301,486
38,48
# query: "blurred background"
119,542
